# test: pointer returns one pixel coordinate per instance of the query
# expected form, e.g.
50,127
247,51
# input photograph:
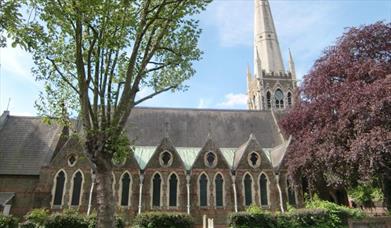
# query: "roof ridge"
202,110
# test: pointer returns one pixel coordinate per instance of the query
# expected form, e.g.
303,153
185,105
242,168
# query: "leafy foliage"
247,219
317,213
339,215
38,218
94,56
8,222
364,194
345,112
163,220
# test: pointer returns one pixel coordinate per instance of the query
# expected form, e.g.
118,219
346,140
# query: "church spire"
292,68
266,46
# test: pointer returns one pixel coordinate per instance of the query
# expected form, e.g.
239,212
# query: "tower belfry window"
279,99
268,100
289,95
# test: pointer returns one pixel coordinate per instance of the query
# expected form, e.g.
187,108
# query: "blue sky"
304,26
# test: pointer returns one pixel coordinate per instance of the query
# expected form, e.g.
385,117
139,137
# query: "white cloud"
203,103
234,101
16,63
233,20
300,25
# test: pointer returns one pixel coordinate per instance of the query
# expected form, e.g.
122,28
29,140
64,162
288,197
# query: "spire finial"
266,43
292,67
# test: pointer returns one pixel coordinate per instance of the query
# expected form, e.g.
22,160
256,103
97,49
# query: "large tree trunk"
105,196
105,199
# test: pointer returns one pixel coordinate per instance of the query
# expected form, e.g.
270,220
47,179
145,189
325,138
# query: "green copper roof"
188,155
143,154
229,154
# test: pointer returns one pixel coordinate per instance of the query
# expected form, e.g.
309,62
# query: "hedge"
163,220
8,222
38,218
320,214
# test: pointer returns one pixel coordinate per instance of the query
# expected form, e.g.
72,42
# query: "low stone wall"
374,222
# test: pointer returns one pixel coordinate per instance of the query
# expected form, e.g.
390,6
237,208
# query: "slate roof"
26,144
190,127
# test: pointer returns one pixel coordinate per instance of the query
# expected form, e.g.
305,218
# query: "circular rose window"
210,159
72,159
165,159
254,160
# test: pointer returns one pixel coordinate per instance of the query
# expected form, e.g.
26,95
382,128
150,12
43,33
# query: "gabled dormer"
210,157
251,156
165,156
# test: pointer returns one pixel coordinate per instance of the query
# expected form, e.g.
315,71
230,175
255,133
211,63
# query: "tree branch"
62,75
154,94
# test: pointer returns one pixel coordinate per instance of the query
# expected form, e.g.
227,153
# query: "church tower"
270,86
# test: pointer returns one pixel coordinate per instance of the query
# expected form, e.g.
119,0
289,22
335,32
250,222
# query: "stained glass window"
59,190
203,191
125,190
173,190
263,189
219,190
76,191
157,180
248,193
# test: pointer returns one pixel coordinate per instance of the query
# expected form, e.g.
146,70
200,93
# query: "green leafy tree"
95,55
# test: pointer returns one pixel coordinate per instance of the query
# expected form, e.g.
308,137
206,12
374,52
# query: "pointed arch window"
59,188
289,95
76,189
268,100
173,191
203,183
248,191
263,190
219,186
279,99
156,190
125,189
291,194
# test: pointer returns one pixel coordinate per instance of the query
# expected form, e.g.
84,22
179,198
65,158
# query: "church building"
195,161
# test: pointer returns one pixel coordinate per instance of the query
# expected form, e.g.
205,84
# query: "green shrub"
40,218
163,220
304,218
319,214
8,222
36,217
248,219
66,220
339,214
28,224
91,220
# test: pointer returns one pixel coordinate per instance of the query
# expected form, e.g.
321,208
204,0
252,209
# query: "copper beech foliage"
341,125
